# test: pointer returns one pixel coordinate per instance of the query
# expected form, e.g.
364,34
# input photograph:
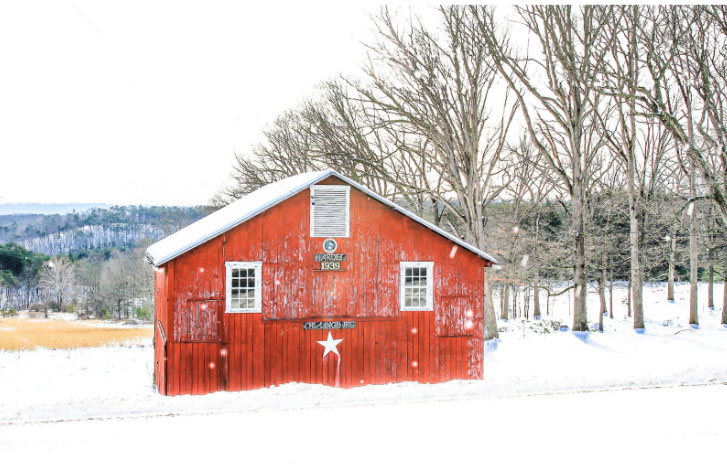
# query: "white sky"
146,103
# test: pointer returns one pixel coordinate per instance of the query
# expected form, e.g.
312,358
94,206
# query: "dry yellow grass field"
28,334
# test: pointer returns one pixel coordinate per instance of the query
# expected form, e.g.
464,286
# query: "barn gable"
261,200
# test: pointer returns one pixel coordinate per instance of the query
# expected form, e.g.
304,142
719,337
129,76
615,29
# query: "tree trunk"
435,211
693,252
672,260
710,277
710,261
636,287
629,300
490,319
505,301
536,296
536,277
602,297
724,297
580,319
610,291
547,300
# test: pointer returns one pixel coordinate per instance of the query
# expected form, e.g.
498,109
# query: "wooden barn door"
200,324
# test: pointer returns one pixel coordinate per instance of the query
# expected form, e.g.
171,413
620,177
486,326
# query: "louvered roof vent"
329,210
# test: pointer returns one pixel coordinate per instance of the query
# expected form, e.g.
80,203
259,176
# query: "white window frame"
403,266
347,189
258,267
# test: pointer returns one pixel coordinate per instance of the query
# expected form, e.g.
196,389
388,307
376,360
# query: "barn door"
201,322
198,321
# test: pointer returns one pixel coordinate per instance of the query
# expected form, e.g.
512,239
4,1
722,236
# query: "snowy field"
551,396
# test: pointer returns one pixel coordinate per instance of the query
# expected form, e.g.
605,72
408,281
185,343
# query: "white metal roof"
260,200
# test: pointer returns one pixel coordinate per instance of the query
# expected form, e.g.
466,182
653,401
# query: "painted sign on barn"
315,279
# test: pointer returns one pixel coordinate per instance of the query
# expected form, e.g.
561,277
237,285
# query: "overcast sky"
139,103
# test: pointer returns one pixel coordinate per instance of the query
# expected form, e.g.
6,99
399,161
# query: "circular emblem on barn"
330,245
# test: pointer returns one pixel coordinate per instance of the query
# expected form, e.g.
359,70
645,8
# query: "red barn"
315,279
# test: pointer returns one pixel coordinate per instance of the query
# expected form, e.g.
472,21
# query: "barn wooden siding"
208,350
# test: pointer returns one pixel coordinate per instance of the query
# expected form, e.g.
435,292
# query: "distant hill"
117,227
47,208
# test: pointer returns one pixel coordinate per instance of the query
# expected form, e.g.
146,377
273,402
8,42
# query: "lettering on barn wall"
329,325
330,261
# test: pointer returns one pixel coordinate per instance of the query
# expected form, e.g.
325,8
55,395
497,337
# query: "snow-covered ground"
670,425
537,387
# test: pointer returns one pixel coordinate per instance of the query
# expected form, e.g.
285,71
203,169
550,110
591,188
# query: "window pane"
408,280
423,281
408,272
423,271
242,290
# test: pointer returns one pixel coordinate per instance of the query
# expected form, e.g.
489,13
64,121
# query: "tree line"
77,233
581,143
108,283
90,263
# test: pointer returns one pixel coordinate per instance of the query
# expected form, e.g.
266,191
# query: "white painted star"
330,345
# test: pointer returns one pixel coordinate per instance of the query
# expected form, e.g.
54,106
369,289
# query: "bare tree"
438,91
58,277
127,283
558,99
285,152
641,145
441,89
621,76
529,190
683,49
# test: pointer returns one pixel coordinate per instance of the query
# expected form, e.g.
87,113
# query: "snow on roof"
260,200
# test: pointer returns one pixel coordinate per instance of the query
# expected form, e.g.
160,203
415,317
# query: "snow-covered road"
678,424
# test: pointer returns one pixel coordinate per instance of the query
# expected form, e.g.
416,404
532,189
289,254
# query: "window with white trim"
329,210
243,287
415,288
